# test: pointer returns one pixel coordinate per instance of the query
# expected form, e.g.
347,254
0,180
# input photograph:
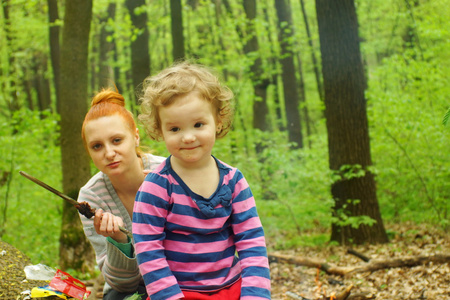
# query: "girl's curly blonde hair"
180,79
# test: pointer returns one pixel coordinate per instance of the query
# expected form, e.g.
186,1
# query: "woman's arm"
119,269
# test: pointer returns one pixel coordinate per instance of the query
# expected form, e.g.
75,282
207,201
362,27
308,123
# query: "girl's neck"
201,179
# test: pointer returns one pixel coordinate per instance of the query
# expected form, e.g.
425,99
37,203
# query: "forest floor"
430,280
298,279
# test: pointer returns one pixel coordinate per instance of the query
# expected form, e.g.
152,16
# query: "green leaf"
446,118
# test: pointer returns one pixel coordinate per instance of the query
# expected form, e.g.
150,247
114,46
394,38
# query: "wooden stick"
370,267
46,186
357,254
65,197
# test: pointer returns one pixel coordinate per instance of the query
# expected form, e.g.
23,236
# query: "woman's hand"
107,224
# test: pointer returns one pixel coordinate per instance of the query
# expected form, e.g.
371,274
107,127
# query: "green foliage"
342,217
291,188
31,215
409,144
445,121
347,172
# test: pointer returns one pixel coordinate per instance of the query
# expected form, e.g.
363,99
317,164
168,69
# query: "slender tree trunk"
223,51
10,84
176,16
302,98
347,125
106,72
410,36
313,55
42,85
259,81
140,54
54,30
93,60
28,83
290,90
75,250
273,62
238,115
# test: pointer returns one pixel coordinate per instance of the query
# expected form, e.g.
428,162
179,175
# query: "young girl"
112,140
194,212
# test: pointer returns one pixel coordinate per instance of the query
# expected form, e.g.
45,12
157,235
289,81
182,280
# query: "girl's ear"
219,127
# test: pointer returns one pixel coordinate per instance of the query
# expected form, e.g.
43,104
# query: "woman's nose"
110,152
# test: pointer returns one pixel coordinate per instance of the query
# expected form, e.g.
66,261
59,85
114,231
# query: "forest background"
406,55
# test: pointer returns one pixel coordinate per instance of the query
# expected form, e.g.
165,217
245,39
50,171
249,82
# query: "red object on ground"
68,285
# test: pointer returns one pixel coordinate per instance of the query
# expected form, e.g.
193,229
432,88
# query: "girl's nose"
188,137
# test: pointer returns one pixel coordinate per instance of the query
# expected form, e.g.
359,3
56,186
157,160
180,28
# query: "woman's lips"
113,164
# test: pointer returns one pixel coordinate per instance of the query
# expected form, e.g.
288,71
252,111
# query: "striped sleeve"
250,243
149,218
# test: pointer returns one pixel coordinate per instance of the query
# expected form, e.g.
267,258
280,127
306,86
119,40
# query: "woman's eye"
198,125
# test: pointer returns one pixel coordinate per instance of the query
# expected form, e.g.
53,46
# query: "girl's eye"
198,125
174,129
96,146
117,140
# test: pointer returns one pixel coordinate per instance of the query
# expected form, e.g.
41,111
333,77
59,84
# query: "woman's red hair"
108,103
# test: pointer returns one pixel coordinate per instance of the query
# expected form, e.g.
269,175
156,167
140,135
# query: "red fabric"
230,293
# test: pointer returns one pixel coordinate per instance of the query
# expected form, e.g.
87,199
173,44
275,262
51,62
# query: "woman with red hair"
112,139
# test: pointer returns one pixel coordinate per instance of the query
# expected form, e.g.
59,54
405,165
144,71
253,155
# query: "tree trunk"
176,16
290,90
223,49
10,84
42,85
75,250
346,120
27,86
106,72
302,98
259,81
54,30
313,56
140,54
273,62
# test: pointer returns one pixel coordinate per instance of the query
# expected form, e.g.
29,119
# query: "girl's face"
188,127
111,144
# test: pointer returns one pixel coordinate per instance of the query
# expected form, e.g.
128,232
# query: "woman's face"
111,144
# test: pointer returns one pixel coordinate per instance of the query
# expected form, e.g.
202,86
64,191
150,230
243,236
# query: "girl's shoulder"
226,169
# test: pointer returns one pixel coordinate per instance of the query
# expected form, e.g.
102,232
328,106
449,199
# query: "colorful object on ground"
68,285
46,291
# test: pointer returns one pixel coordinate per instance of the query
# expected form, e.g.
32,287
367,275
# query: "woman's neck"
127,185
130,181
